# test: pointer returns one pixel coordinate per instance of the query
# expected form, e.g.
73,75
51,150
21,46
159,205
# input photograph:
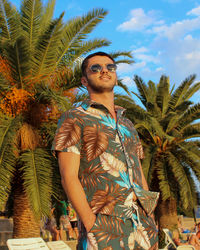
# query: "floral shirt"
110,152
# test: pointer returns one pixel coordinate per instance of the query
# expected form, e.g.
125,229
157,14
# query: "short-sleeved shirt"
110,153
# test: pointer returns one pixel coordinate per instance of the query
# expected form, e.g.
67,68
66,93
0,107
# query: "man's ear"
84,81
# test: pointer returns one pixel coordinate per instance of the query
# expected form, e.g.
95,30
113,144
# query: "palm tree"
169,128
39,74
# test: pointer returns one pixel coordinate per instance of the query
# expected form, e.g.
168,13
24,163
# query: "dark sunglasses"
111,67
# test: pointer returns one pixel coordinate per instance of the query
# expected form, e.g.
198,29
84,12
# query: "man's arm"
144,182
69,167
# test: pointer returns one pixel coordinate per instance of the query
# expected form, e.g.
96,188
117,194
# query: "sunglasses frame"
99,67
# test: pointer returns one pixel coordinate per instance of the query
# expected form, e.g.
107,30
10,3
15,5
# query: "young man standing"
99,154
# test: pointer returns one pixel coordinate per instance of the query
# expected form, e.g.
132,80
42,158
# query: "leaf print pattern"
68,134
139,150
95,142
92,175
108,248
91,242
141,237
73,149
125,180
110,122
104,201
130,199
108,228
111,164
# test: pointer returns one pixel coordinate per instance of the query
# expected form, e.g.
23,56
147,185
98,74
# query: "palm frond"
47,95
117,54
191,131
182,179
192,90
46,50
8,151
178,96
47,14
164,180
143,90
77,29
37,176
31,12
9,22
18,59
163,95
189,116
84,47
123,86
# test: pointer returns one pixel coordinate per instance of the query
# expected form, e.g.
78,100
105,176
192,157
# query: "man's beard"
99,89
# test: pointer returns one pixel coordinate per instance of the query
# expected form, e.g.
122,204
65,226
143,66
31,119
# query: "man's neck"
107,99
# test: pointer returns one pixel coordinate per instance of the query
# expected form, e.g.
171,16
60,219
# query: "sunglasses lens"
96,68
112,67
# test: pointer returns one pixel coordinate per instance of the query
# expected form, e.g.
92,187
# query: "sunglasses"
111,67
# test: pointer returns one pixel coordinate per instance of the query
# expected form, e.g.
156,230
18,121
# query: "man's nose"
104,69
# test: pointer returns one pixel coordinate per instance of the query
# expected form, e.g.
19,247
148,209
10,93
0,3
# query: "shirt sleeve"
68,134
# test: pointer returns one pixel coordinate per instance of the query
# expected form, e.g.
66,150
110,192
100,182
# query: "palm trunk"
24,222
167,214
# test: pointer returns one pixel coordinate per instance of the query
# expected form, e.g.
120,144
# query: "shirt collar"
89,103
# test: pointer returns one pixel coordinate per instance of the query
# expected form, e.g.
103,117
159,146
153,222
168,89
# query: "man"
99,158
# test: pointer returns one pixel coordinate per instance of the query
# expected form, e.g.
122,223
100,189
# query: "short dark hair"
85,61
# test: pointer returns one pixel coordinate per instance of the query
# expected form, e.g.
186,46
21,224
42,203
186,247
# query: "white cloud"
140,50
159,69
147,58
139,20
127,80
124,68
143,54
195,11
177,29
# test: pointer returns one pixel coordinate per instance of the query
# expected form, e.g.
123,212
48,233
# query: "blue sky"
164,36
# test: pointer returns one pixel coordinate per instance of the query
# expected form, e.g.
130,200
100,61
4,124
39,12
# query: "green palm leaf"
143,90
46,51
31,12
83,48
163,95
47,14
47,95
180,175
189,116
37,176
8,131
76,30
9,22
18,57
179,94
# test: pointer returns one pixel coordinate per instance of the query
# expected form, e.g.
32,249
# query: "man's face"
99,82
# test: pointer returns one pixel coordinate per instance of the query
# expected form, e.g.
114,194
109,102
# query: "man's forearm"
76,195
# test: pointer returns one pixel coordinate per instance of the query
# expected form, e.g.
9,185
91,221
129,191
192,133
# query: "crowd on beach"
61,224
193,238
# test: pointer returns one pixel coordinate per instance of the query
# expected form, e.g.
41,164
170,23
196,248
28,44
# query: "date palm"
39,71
168,125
